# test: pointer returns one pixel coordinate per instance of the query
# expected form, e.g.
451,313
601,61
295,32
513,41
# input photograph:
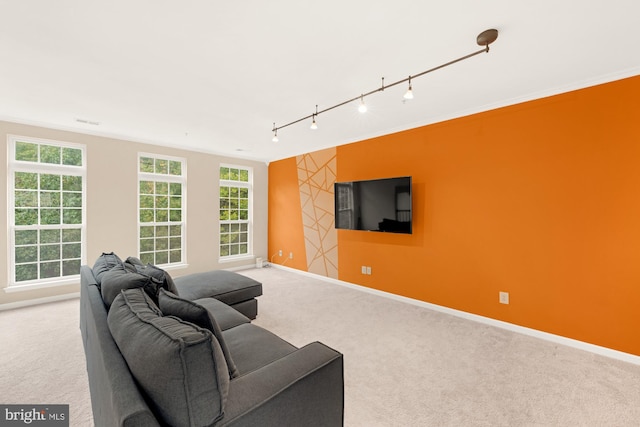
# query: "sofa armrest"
305,387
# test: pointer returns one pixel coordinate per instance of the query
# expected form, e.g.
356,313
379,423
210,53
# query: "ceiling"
214,76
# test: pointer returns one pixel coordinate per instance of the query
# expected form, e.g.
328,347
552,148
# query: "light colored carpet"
404,365
42,359
410,366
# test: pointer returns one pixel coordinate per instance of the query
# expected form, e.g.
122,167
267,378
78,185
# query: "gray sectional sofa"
155,358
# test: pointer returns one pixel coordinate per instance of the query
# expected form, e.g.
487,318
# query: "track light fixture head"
362,107
275,134
409,93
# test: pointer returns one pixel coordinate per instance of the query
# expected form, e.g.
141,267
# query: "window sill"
169,267
73,280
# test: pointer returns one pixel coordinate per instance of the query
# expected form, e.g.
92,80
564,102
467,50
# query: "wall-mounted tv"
374,205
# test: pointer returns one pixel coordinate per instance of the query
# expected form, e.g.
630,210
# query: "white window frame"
249,221
156,177
42,168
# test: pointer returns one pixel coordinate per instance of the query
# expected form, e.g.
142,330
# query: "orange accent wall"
539,199
286,231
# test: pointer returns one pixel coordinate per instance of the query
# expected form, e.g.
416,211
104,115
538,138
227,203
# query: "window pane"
243,248
234,174
175,230
162,188
26,272
26,180
72,183
50,216
49,182
162,202
146,187
71,235
69,268
49,252
26,216
49,269
26,254
49,236
162,166
72,216
146,164
50,154
146,245
224,228
26,237
224,250
72,250
175,215
244,175
162,215
175,243
146,231
162,257
49,199
175,189
162,231
26,199
72,200
224,173
26,152
147,258
71,156
176,202
175,168
146,215
175,256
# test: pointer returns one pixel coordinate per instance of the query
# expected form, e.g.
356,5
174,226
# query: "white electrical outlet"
363,269
369,271
280,252
504,297
290,255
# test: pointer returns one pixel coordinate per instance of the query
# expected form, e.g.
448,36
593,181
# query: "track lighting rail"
484,39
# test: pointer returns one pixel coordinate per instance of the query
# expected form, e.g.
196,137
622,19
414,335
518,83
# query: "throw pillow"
119,278
179,366
152,271
104,263
189,311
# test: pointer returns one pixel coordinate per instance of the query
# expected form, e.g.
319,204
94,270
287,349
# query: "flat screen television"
374,205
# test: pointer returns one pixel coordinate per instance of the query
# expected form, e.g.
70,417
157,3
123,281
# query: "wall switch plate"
280,252
369,271
363,269
290,255
504,297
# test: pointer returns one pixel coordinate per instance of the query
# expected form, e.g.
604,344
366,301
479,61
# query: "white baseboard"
581,345
37,301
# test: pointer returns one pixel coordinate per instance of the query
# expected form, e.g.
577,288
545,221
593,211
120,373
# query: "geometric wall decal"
316,177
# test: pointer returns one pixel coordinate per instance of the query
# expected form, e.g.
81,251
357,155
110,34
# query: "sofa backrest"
115,397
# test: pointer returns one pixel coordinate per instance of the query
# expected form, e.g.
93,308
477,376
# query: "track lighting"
484,39
362,107
409,93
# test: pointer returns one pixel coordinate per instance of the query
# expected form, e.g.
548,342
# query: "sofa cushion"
253,347
179,366
119,278
225,316
189,311
226,286
152,271
104,263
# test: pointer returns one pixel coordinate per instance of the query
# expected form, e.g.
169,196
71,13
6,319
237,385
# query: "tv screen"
374,205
